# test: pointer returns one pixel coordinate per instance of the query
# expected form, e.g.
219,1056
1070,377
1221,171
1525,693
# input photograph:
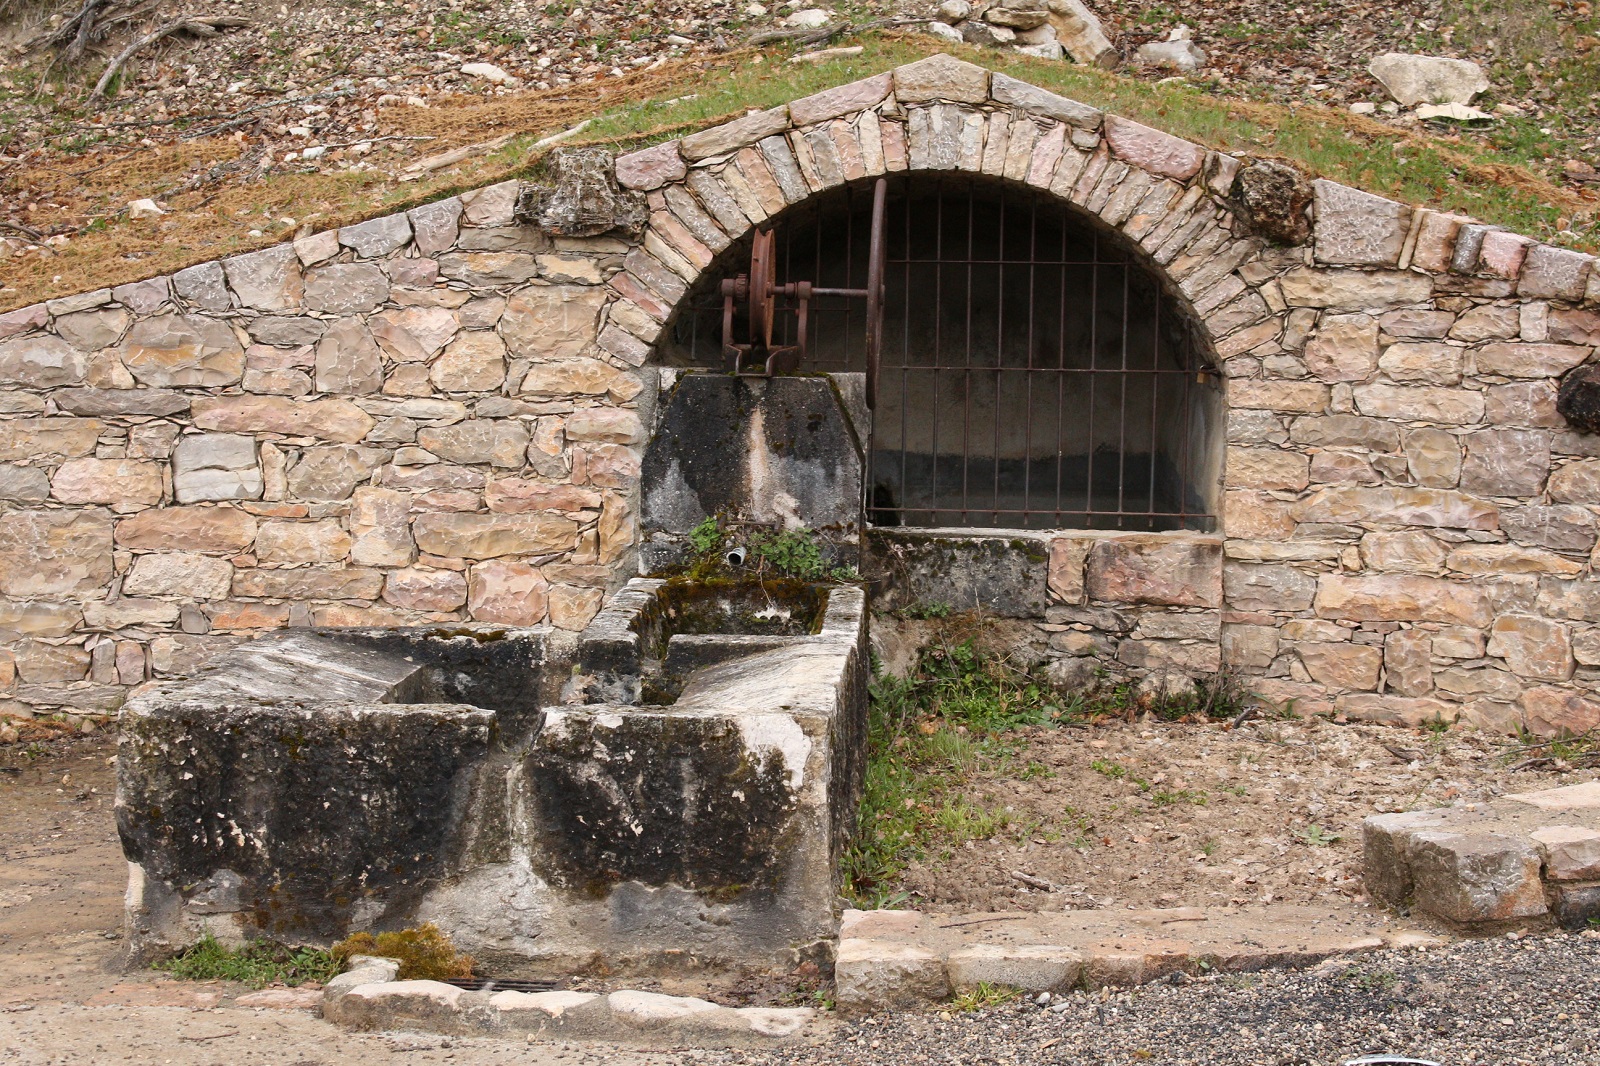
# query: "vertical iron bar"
1094,365
1027,432
1155,392
999,350
966,376
1122,411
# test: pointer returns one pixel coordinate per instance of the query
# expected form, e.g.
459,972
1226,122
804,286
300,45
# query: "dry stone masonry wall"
439,415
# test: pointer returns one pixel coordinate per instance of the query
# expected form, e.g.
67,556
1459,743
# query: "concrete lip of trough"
636,798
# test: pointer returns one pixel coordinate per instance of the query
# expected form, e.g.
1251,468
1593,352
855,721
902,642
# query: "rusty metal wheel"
762,274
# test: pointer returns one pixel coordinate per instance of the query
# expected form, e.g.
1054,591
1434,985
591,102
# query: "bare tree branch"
199,25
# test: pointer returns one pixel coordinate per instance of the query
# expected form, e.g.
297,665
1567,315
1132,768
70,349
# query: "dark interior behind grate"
1036,371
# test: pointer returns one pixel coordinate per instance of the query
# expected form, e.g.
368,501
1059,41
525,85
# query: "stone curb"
896,961
369,997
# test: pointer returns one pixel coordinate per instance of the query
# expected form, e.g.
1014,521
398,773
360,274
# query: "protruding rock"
1081,34
1414,79
584,199
1274,198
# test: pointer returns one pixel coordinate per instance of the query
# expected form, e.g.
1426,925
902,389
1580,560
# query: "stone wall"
404,421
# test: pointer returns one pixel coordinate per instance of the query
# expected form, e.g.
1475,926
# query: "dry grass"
217,218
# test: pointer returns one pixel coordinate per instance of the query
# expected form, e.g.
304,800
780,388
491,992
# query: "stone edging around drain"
369,996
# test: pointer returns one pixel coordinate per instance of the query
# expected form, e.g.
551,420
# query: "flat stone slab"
1529,858
624,1017
902,959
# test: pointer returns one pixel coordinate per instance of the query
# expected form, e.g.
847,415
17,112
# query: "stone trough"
632,797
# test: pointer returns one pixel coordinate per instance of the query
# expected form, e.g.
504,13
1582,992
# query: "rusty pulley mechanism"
760,294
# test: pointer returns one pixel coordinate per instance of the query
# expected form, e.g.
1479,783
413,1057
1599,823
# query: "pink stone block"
1150,149
1503,253
651,168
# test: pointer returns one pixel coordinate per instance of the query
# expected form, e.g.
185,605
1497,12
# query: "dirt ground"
1174,814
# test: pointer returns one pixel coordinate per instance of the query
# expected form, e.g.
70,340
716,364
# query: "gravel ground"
1501,1001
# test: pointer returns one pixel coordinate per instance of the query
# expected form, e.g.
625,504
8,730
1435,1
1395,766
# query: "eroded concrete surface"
65,998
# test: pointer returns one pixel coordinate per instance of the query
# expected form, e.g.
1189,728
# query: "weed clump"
425,953
257,964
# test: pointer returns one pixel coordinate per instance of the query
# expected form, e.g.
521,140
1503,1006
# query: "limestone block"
317,248
1293,397
503,590
216,466
1355,228
38,619
1249,646
1417,79
1570,853
1336,468
286,331
1081,34
579,377
1575,600
302,542
1265,587
492,205
203,286
308,583
1419,325
23,484
121,484
1480,683
1523,403
651,168
1429,364
1560,527
336,420
1344,348
1342,666
516,496
121,401
1157,570
500,442
1476,877
38,663
608,425
127,611
376,237
474,362
1514,360
1066,577
874,975
1488,323
348,360
346,288
435,226
573,608
1400,506
40,361
1267,468
425,590
1385,846
332,473
552,320
1396,710
380,528
1422,403
1401,598
1575,326
1554,273
1346,431
89,331
1506,462
489,270
268,280
1408,662
731,136
1020,94
1354,290
1152,150
1494,560
201,529
941,77
1533,646
38,438
1576,483
1030,967
487,536
183,350
1501,253
183,574
45,553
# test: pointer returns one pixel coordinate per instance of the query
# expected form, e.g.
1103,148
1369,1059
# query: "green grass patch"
256,964
982,996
